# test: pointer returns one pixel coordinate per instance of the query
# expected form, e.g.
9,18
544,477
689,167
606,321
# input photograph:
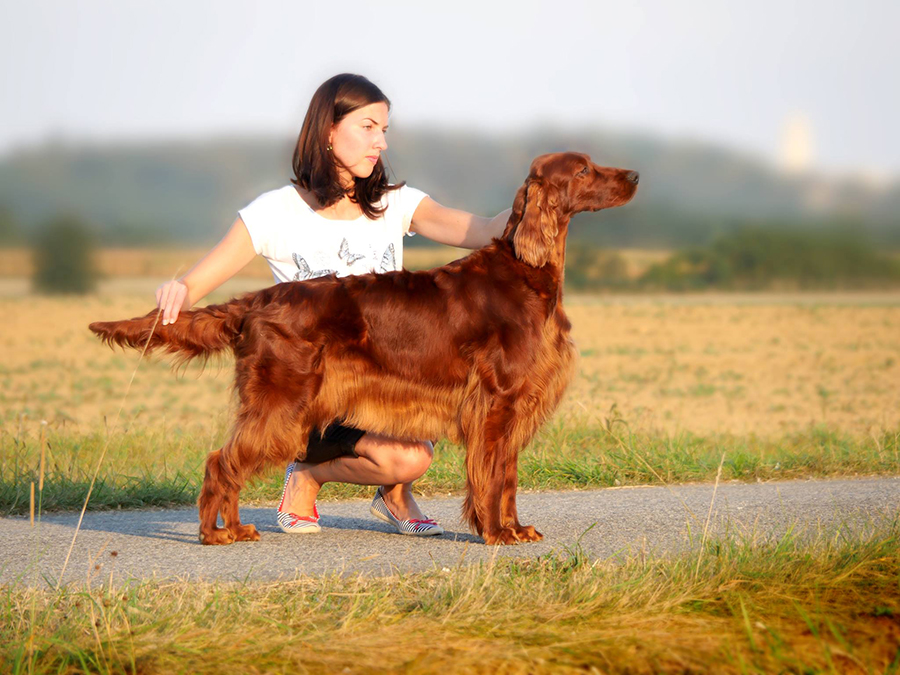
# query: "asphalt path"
163,544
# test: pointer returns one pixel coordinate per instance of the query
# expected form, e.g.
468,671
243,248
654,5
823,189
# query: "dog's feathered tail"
199,332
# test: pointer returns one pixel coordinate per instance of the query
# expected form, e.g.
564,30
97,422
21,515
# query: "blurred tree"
9,228
589,268
64,257
754,258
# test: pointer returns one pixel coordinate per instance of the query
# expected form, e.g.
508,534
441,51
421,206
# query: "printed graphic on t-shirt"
388,262
304,272
345,255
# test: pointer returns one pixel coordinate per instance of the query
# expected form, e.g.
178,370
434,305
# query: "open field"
17,263
735,605
708,365
115,263
785,386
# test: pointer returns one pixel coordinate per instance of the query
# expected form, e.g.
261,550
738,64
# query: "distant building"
796,154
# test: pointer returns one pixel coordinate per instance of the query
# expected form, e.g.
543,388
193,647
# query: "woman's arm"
454,227
225,260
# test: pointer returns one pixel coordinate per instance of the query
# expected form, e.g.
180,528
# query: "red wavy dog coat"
477,351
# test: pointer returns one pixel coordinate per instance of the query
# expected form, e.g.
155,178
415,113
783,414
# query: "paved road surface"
163,543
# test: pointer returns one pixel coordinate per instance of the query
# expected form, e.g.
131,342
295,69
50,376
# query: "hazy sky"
729,72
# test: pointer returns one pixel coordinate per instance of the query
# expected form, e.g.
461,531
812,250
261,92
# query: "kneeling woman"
338,216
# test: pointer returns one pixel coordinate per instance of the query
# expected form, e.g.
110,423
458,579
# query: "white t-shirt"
300,244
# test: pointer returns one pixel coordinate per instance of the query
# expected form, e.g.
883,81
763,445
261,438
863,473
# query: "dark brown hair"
314,166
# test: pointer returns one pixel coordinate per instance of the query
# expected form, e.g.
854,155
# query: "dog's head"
558,186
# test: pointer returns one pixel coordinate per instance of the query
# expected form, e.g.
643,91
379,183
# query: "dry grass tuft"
730,607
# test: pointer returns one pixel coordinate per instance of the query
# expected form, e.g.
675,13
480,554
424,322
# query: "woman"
339,215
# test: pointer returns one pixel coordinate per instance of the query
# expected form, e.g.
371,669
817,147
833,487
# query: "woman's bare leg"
390,462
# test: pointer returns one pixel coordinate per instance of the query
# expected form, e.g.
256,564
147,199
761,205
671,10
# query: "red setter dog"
477,351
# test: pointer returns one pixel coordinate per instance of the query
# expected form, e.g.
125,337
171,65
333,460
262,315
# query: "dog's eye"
584,171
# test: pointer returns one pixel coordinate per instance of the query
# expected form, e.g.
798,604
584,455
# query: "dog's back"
409,324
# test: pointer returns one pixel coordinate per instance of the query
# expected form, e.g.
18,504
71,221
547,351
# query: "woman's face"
358,140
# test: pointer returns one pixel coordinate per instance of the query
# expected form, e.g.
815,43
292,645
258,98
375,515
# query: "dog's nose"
633,176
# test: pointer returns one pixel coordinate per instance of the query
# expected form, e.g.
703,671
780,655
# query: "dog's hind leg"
231,518
232,479
262,436
276,388
210,501
282,446
226,471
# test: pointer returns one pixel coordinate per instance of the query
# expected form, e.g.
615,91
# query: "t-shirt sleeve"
260,217
409,199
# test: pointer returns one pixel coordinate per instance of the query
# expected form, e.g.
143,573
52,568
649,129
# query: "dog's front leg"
496,531
486,460
509,516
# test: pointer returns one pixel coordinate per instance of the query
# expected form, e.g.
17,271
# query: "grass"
164,467
794,604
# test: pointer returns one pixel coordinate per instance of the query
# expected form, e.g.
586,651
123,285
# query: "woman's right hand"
171,298
227,258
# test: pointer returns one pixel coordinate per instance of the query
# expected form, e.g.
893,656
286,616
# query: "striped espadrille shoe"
416,527
291,522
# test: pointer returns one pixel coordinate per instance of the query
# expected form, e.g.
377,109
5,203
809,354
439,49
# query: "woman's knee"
404,460
411,459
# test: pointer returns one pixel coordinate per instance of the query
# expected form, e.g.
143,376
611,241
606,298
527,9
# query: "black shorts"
337,441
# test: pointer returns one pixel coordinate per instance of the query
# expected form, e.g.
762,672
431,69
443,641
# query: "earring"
329,147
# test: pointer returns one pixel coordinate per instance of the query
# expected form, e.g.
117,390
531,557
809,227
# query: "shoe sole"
302,530
306,529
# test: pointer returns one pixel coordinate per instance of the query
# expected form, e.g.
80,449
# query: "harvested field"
707,363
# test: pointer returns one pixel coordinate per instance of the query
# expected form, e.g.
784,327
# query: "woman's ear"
537,228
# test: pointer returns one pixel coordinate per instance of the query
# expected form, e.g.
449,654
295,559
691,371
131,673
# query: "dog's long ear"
537,228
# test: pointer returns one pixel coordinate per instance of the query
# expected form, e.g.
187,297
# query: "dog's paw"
526,533
218,537
505,536
244,533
